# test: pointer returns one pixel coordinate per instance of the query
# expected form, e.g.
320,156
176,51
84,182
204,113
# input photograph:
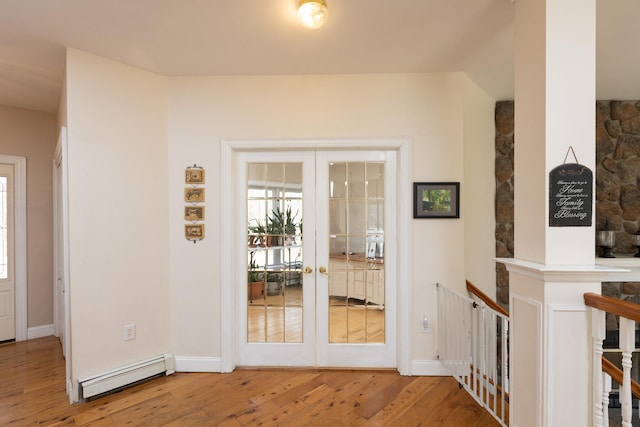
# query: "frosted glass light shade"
313,13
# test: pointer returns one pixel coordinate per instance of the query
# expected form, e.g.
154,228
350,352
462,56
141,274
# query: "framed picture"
194,213
194,176
194,195
436,200
194,231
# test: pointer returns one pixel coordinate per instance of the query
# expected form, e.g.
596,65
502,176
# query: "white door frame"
61,231
229,245
20,224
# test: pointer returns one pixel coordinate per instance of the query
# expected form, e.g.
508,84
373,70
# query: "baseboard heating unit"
117,378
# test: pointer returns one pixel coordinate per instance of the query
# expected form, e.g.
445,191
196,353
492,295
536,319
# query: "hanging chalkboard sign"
570,196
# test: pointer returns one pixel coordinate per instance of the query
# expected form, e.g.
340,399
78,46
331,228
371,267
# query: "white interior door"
62,320
7,250
355,251
60,308
277,297
316,286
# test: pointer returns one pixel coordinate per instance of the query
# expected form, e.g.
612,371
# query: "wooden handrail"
620,308
625,309
616,374
485,299
611,305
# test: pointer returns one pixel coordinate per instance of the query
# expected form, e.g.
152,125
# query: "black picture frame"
446,203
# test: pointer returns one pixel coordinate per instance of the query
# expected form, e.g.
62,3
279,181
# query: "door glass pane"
356,180
338,216
375,181
356,217
356,259
274,252
338,180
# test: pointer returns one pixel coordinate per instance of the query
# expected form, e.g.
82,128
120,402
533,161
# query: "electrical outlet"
129,332
425,325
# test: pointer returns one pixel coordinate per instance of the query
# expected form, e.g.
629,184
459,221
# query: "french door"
7,274
317,285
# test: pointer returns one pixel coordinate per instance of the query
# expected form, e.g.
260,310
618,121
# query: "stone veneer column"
505,157
550,352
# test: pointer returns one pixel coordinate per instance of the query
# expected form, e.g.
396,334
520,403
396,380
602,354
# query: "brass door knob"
308,270
323,270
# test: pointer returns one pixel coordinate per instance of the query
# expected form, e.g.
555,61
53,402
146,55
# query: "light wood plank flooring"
32,393
278,318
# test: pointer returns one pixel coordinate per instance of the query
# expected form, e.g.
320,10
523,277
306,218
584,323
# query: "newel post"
598,331
551,353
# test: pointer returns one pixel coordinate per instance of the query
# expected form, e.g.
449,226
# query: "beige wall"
429,109
118,213
132,133
478,195
32,134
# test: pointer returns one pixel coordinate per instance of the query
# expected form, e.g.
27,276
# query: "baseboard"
39,331
213,364
429,368
198,364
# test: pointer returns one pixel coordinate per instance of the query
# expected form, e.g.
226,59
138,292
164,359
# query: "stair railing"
473,345
629,314
470,346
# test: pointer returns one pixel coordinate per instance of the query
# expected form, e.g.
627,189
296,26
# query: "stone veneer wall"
618,171
617,186
504,196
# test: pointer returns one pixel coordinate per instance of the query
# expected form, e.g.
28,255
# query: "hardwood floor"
32,393
278,318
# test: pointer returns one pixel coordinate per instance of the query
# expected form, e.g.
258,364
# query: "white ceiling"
263,37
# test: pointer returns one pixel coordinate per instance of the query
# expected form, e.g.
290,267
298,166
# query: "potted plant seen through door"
275,281
255,279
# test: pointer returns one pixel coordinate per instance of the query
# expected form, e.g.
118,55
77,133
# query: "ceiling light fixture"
313,13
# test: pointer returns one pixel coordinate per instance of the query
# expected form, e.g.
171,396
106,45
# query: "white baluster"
505,365
462,339
475,338
482,362
467,352
442,327
627,345
598,332
606,390
452,333
482,350
477,355
452,329
492,359
449,331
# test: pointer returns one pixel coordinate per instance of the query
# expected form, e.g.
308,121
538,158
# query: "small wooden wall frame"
194,195
194,231
194,213
194,175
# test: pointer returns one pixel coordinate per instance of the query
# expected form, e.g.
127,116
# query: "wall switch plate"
425,325
129,332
